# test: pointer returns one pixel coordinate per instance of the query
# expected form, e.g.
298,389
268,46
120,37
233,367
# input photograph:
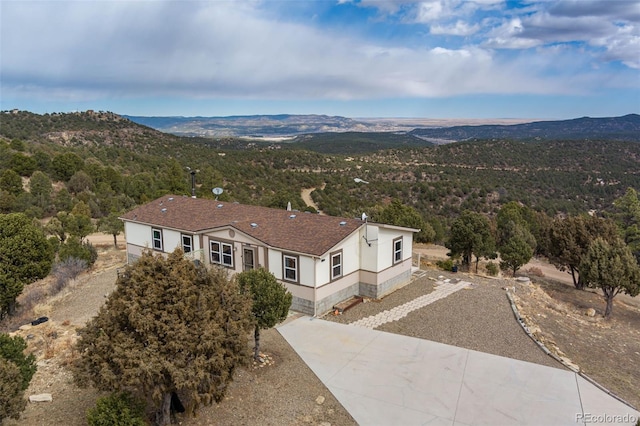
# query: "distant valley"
435,131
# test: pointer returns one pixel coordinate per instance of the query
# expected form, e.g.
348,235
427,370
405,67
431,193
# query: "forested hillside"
626,128
49,163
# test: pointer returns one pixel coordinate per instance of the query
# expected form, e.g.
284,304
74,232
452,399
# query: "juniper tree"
16,371
569,240
12,401
516,244
471,234
400,214
111,225
271,301
169,327
25,256
612,268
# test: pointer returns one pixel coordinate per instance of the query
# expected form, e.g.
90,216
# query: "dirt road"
305,194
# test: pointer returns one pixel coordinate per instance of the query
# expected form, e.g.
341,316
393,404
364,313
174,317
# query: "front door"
248,258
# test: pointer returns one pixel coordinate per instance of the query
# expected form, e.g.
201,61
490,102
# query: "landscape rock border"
564,362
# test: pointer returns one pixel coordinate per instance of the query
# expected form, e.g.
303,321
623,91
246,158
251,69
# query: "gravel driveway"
478,317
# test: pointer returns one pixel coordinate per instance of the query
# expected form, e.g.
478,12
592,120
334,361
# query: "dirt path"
305,194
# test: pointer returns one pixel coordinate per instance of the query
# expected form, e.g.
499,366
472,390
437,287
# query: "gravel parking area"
478,317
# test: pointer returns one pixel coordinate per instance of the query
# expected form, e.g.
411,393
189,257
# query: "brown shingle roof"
304,233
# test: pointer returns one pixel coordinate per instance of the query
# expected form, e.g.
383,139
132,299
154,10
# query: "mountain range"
283,126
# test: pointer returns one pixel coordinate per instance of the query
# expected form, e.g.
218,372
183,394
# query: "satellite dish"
358,180
217,191
364,217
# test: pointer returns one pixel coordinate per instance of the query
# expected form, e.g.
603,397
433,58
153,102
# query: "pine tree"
169,327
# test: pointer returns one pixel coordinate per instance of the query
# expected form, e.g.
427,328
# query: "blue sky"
432,59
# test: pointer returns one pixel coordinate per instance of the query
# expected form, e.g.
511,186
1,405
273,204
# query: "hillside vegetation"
112,164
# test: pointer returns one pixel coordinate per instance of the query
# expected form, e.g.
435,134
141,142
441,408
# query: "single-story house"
322,260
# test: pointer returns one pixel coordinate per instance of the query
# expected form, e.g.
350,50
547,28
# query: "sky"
355,58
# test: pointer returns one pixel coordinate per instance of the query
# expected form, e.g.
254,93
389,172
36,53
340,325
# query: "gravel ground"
478,317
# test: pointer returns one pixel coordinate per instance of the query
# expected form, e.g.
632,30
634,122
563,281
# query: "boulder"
41,397
590,312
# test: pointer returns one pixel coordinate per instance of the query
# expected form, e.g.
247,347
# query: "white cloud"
235,50
622,46
460,28
611,26
509,36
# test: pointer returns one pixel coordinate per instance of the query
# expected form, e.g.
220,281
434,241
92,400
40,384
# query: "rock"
523,279
590,312
41,397
320,400
307,419
325,424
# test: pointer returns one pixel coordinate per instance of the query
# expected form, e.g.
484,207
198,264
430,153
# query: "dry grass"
534,271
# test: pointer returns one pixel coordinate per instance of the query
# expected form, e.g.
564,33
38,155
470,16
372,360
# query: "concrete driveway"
387,379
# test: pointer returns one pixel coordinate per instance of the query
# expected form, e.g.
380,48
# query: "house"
322,260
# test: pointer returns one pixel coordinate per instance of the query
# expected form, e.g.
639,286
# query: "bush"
445,265
117,409
535,271
73,248
12,401
12,349
66,271
492,269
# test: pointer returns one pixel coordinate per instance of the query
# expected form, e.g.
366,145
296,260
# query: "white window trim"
338,255
158,240
221,253
190,245
396,251
285,268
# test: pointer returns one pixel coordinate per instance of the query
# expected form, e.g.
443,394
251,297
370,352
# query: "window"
336,265
187,243
222,253
290,267
156,237
397,250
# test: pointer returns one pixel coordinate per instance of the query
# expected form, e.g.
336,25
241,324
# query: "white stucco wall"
140,235
350,260
379,256
137,234
275,263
